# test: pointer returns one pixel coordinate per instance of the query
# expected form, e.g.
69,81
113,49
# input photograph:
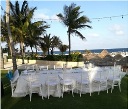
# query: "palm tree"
34,31
10,36
63,48
21,18
44,48
72,19
55,42
30,41
47,41
23,30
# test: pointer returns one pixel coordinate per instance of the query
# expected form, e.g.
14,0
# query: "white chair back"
33,78
37,68
67,75
58,67
84,76
52,76
43,67
30,67
34,85
15,76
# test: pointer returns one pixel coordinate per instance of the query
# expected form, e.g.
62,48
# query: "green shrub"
75,57
54,58
72,57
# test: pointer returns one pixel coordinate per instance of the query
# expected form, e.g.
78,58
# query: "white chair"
68,67
13,87
29,72
115,79
52,82
98,78
14,80
67,82
24,72
41,68
103,80
90,65
83,83
37,68
30,67
58,67
34,86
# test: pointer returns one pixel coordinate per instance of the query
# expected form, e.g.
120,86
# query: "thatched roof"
108,58
90,56
118,57
103,53
124,61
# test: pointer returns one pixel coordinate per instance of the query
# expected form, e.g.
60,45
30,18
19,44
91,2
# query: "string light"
122,16
51,19
100,18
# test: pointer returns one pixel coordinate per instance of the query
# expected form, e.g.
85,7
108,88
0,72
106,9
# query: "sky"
110,31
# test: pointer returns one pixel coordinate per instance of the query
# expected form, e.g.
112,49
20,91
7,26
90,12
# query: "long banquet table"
22,88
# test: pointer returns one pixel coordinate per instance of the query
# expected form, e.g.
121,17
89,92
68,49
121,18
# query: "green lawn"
115,100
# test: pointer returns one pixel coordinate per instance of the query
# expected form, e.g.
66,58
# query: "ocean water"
93,51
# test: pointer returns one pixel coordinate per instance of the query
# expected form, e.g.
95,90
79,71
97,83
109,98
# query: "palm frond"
77,33
24,7
17,8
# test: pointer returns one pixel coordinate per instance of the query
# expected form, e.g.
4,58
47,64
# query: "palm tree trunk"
10,36
48,51
32,50
10,50
69,40
52,51
22,52
44,53
36,49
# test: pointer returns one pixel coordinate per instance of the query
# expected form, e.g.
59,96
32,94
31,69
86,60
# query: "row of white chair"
46,67
106,79
54,83
88,81
66,82
83,83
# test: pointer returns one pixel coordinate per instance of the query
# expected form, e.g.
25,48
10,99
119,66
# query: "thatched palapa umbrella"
103,53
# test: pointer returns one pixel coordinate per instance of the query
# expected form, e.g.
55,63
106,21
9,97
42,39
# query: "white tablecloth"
22,88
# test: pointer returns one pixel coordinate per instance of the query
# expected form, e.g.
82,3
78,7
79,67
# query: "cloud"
93,35
55,17
119,33
44,16
41,16
43,10
116,29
